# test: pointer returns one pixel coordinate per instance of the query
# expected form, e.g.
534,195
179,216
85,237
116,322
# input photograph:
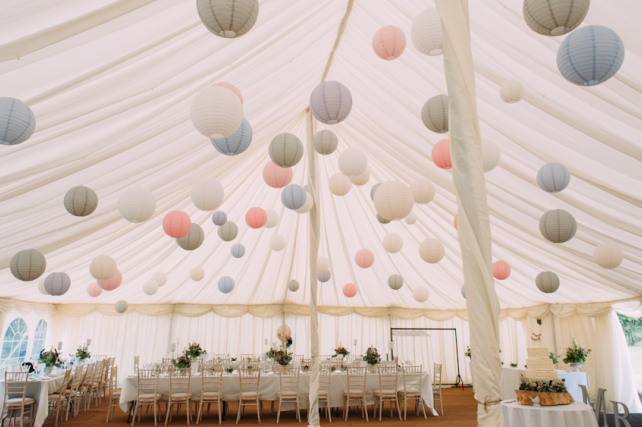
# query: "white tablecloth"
510,382
39,390
576,414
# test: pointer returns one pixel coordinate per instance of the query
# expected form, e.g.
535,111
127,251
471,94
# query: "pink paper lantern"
364,258
389,42
455,221
256,218
275,176
113,283
501,270
94,290
231,87
349,290
177,224
441,154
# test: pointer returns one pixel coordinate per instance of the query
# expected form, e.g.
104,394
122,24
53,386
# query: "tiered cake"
540,365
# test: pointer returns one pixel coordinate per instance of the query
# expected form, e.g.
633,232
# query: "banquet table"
39,390
576,414
510,382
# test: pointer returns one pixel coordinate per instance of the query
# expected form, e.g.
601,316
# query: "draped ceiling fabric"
111,83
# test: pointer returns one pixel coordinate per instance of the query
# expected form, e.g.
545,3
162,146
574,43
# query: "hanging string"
342,27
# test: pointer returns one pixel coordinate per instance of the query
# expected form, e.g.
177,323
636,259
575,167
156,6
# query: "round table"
573,415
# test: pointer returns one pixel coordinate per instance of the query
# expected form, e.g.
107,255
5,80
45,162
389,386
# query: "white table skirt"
576,414
510,382
39,390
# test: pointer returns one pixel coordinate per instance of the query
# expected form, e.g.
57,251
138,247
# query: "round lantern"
272,218
395,282
309,202
426,34
420,294
81,201
434,114
339,184
293,197
121,306
103,267
349,290
590,55
219,218
607,255
364,258
228,231
490,155
411,218
554,18
256,218
423,191
277,242
455,221
389,42
285,150
501,270
293,286
150,287
553,177
392,243
238,250
393,200
431,250
93,290
228,18
275,176
28,265
57,284
463,291
17,121
176,224
331,102
112,283
362,179
193,239
284,333
382,220
235,143
353,162
160,278
207,194
373,190
324,277
137,205
325,142
511,91
216,112
441,154
547,282
41,287
557,226
197,274
226,284
231,87
323,264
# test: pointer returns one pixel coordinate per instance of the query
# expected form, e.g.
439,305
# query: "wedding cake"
539,365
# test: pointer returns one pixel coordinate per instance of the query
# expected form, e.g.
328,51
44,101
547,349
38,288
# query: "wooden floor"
460,410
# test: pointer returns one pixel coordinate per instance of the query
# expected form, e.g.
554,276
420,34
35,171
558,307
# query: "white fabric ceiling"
112,97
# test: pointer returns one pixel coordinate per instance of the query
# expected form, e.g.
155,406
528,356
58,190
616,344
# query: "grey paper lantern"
547,282
463,291
193,239
28,265
434,114
331,102
57,284
395,282
228,231
285,150
553,177
557,226
324,276
17,121
293,286
382,219
228,18
121,306
325,142
555,17
235,143
238,250
226,284
219,218
293,197
590,55
137,205
373,190
81,201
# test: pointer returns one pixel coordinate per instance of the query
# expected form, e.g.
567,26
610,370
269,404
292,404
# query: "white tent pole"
472,219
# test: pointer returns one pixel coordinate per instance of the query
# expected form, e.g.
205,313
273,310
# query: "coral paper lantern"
331,102
455,221
441,154
392,243
277,242
272,218
28,265
238,250
501,270
423,191
228,231
362,179
137,205
93,290
17,121
389,42
275,176
236,143
323,264
193,239
197,274
350,290
607,255
364,258
176,224
219,218
434,114
353,162
554,18
150,287
57,284
395,282
293,197
339,184
160,278
420,294
512,91
490,155
81,201
553,177
557,226
286,150
121,306
112,283
426,33
324,277
256,218
228,18
231,87
216,112
394,200
547,282
293,285
103,267
307,206
207,194
226,284
373,190
411,218
431,250
325,142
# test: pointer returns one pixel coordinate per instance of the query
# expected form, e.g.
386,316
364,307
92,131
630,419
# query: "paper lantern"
490,155
373,190
426,34
423,191
364,258
17,121
207,194
284,333
28,265
362,179
382,220
339,184
463,291
324,276
228,18
511,91
219,218
231,87
455,221
293,286
330,102
307,206
160,278
277,242
590,55
411,218
285,150
557,226
392,243
275,176
272,218
256,218
112,283
236,143
81,201
501,270
216,112
193,239
395,282
420,294
607,255
176,224
547,282
41,287
121,306
293,196
353,162
553,177
323,264
238,250
325,142
93,290
431,250
349,290
137,205
103,267
57,284
434,114
150,287
197,274
441,154
389,42
226,284
554,18
393,200
228,231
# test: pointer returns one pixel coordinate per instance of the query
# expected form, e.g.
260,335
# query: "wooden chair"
325,357
412,388
246,357
324,391
100,358
15,400
85,388
114,395
94,389
103,382
249,394
387,390
147,393
211,392
167,360
74,394
57,399
179,381
436,387
297,358
356,391
288,390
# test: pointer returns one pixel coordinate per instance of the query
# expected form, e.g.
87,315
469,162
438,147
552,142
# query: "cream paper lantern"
420,293
431,250
323,264
607,255
547,282
150,287
137,205
41,287
81,201
511,91
555,17
284,333
121,306
102,267
228,231
361,179
216,112
426,33
411,218
339,184
434,114
392,243
228,18
28,265
393,200
325,142
286,150
207,194
353,162
272,218
193,239
490,155
382,220
423,191
293,286
197,274
277,242
395,282
309,202
160,278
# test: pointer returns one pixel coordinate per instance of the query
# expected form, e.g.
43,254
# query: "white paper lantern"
121,306
197,274
293,286
331,102
547,282
324,277
102,267
555,17
463,291
150,287
434,114
286,150
41,287
272,218
411,218
557,226
512,91
137,205
28,265
293,197
17,121
339,184
382,220
393,200
490,155
325,142
373,190
426,33
277,242
309,202
81,201
395,282
323,264
607,255
160,278
238,250
431,250
216,112
353,162
361,179
420,293
423,191
193,239
228,18
392,243
553,177
228,231
57,284
207,194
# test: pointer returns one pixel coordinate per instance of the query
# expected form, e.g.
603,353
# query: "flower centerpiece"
194,350
554,357
576,355
82,353
372,358
271,354
550,393
50,359
467,353
341,351
182,361
283,358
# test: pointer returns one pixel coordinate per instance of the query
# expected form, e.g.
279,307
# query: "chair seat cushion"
323,393
212,394
116,393
288,393
410,392
17,401
385,392
149,396
353,392
181,396
249,394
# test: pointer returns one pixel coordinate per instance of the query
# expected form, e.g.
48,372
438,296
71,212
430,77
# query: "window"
14,346
39,338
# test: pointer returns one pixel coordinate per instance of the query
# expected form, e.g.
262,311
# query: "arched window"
14,346
39,338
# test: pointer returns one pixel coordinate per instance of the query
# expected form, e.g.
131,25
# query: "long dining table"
39,389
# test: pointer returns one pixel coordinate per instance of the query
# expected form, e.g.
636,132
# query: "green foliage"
632,329
195,350
182,362
50,358
372,356
576,354
83,352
